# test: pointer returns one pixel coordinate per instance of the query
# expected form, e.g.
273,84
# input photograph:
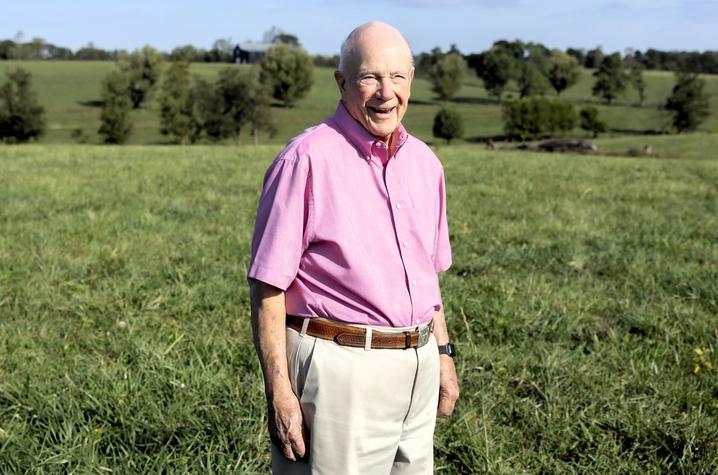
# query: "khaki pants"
368,412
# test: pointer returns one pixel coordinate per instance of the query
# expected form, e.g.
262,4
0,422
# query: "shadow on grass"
93,103
476,100
637,132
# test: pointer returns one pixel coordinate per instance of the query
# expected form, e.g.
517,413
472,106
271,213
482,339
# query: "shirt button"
398,206
405,244
413,283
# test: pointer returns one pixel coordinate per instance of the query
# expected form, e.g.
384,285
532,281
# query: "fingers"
286,428
448,388
446,406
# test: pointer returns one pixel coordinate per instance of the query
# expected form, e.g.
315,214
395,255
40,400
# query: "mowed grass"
583,300
70,91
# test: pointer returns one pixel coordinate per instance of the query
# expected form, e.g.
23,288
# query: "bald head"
373,35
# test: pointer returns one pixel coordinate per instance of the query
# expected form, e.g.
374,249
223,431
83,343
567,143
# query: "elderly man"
348,322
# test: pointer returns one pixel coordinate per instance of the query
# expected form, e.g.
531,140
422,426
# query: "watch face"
447,349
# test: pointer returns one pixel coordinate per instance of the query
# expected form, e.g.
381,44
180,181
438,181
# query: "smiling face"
376,81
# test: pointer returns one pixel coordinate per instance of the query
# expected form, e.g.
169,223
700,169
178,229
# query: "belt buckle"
424,334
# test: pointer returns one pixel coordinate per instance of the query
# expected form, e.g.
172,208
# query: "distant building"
250,52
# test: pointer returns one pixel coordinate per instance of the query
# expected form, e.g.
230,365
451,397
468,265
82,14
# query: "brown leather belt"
348,335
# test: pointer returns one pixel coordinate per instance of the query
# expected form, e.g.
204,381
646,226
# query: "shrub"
537,116
447,75
590,121
289,71
688,103
448,125
22,118
115,125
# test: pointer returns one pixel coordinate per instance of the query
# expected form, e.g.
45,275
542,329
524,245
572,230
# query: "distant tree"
425,61
142,68
244,100
611,78
287,39
536,115
594,58
209,107
564,70
35,49
533,81
22,118
448,125
578,54
289,71
638,82
590,121
187,53
326,61
495,68
90,53
177,111
447,75
8,49
688,102
115,124
223,50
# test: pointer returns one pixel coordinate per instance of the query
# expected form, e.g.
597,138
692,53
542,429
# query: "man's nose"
385,88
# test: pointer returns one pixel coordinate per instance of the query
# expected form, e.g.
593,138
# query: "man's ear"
341,80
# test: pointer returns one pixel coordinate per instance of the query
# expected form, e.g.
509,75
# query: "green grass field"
70,91
583,300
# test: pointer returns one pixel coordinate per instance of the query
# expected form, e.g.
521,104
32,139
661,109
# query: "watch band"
447,349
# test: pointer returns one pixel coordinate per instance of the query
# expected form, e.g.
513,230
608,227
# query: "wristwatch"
447,349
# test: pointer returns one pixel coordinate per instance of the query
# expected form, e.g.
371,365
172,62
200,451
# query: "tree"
287,39
448,125
142,68
115,125
22,118
240,99
577,53
564,71
8,49
177,111
494,67
447,75
611,78
532,81
688,102
594,57
590,121
187,53
637,81
534,116
289,71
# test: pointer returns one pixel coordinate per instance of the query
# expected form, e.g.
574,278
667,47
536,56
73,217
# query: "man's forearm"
441,333
268,325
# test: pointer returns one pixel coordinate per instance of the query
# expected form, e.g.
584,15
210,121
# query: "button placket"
402,226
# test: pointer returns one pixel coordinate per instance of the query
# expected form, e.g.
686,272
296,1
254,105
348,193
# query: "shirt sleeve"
442,247
280,233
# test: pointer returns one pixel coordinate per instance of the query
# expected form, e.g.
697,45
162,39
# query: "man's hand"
448,386
286,426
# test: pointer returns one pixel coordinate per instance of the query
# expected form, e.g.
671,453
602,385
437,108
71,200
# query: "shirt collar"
360,137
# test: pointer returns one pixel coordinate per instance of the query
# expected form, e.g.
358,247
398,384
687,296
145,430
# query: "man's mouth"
382,110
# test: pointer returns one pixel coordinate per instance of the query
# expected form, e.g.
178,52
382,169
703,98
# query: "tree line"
535,71
221,51
190,108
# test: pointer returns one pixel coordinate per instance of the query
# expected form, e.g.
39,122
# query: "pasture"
583,300
70,91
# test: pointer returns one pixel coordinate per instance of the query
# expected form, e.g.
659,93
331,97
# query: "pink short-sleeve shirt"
348,238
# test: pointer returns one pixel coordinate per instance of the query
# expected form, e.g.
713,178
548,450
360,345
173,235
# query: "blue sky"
321,25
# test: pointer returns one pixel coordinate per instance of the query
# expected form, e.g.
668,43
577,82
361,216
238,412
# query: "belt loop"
367,339
305,324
